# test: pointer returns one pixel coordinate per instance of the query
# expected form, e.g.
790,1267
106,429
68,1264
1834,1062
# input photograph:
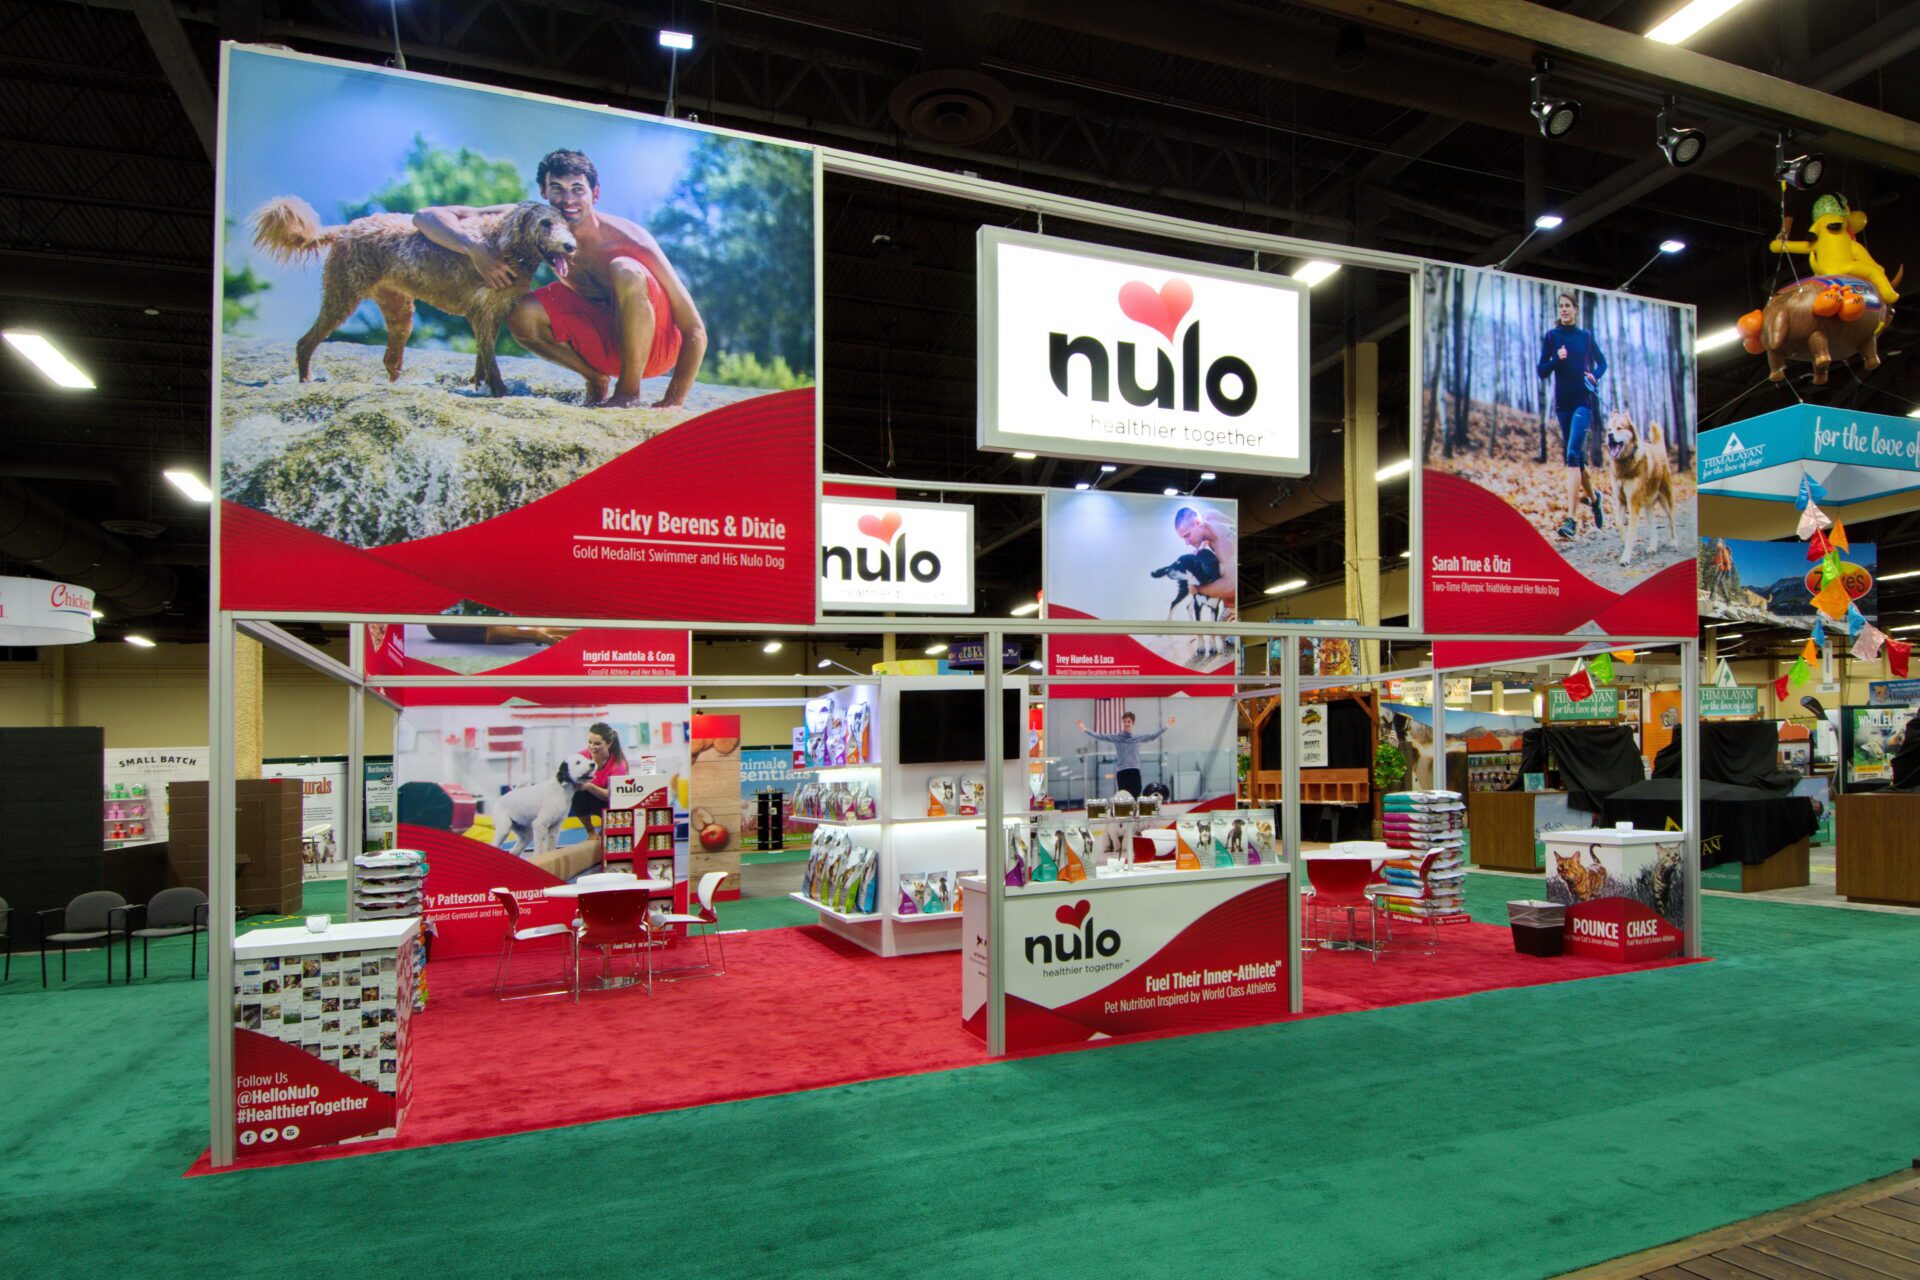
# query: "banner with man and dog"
1557,451
479,351
1140,557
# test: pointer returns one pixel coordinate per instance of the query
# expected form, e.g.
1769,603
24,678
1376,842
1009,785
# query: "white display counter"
1623,889
1130,952
321,1047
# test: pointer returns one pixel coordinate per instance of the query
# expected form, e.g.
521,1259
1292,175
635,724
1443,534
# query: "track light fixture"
1680,146
1555,116
1798,172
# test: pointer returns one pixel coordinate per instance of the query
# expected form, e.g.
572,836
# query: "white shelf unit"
907,840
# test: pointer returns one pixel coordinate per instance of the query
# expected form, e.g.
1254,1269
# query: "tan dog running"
1642,482
382,257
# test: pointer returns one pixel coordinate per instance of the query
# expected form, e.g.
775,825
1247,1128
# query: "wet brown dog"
1642,482
382,257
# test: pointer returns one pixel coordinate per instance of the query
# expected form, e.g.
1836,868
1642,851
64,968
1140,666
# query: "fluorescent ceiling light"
1715,339
1691,18
1313,272
1281,588
771,646
1895,577
189,484
1082,484
1024,456
1915,413
936,648
1031,606
1394,470
141,642
1738,635
1407,554
1108,468
676,40
1911,626
50,360
1547,221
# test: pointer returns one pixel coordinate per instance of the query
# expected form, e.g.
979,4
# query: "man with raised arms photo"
619,314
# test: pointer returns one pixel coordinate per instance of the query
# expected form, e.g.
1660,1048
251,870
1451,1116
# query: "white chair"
516,934
708,886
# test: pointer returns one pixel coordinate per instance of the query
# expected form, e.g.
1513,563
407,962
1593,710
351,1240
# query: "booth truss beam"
968,625
947,486
285,642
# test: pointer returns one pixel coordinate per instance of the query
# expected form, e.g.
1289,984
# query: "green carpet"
1515,1133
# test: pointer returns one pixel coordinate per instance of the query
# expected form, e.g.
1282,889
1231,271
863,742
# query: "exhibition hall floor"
1516,1132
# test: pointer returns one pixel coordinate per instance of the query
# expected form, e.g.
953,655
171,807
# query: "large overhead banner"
1138,557
1557,448
478,348
1853,455
1773,584
1092,352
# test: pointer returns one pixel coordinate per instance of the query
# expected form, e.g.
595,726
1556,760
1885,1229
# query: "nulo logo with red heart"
895,562
1227,381
1081,941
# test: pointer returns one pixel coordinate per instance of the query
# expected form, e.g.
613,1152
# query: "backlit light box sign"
1092,352
881,555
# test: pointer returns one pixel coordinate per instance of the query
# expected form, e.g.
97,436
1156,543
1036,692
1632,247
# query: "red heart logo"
1161,311
1074,916
881,527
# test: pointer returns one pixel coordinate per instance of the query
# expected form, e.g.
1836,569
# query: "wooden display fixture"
1875,856
1500,827
1317,786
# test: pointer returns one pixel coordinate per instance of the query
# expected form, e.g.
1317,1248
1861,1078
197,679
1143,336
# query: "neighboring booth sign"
1856,456
1168,954
1623,890
136,780
361,469
35,611
1539,400
322,782
1772,584
1893,693
1093,352
1602,704
1135,557
971,655
885,555
1729,704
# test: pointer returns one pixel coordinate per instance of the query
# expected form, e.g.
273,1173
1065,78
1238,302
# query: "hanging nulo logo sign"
882,555
1101,353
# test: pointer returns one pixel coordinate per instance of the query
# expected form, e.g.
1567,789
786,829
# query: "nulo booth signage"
1092,352
394,433
877,556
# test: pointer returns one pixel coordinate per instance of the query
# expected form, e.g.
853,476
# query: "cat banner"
1624,890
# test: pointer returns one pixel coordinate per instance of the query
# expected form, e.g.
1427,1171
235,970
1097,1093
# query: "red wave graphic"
1547,594
1130,657
294,1069
531,561
566,659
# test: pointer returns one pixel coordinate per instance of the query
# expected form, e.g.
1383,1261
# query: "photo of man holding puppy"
619,313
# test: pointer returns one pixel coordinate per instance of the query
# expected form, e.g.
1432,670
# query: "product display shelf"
915,852
387,885
126,819
1491,770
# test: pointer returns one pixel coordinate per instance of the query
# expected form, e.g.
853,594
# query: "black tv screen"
941,726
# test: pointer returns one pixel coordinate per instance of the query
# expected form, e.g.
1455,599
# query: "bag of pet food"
973,793
1077,851
860,734
940,798
1187,843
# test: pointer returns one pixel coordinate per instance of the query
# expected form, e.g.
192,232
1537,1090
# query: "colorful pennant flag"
1799,673
1832,600
1809,652
1897,653
1868,647
1780,688
1602,668
1811,519
1829,567
1625,657
1810,492
1579,685
1816,546
1839,536
1855,619
1820,628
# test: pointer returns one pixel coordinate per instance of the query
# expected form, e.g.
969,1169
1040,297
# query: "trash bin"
1539,928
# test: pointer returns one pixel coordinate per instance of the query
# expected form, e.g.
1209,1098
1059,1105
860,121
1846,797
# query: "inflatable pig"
1822,319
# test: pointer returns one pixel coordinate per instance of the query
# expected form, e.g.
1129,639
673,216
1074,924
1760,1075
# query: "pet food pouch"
1187,844
864,805
906,906
836,740
1077,850
937,894
940,801
870,884
859,734
1048,851
819,716
973,793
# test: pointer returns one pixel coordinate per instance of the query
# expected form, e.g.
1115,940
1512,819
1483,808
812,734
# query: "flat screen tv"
947,726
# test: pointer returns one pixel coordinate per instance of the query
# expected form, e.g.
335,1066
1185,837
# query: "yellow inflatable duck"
1834,251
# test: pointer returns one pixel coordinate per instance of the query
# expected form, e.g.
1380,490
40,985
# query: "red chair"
510,905
612,918
1340,884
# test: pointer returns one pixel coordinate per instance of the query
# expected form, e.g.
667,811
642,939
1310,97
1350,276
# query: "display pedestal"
1876,857
1131,953
1500,830
1787,869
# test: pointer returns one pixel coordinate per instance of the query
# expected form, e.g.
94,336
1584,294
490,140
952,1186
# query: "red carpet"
797,1009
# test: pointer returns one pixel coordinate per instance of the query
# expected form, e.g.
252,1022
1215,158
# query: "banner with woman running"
1557,450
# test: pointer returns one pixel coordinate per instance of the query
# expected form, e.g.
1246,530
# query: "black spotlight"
1680,146
1555,116
1812,704
1798,172
1350,48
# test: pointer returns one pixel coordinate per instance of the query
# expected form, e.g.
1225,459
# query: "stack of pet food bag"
1424,880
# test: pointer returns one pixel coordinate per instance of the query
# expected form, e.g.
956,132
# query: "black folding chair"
88,920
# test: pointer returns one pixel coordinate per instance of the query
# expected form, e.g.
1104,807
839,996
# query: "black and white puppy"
1190,571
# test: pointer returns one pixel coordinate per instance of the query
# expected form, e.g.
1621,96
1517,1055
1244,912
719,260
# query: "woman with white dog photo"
609,761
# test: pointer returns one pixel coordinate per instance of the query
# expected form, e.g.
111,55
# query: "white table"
1350,878
606,882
